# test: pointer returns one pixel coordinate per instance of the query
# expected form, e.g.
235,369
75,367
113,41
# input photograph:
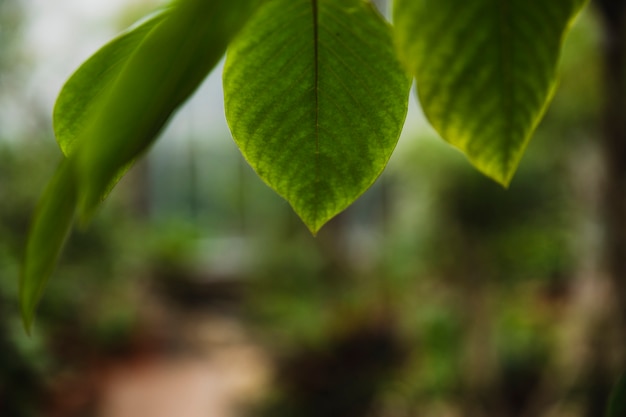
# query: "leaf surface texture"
485,69
316,99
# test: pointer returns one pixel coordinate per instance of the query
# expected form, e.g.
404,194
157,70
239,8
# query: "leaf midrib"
508,93
315,10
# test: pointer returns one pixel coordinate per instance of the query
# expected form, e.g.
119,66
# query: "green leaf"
316,100
75,103
52,222
159,73
485,70
617,402
112,109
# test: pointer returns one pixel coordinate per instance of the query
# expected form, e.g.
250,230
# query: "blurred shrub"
88,308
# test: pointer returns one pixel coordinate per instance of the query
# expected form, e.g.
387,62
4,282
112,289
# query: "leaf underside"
485,70
315,99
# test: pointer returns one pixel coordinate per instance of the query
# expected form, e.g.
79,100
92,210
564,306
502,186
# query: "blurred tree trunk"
613,200
613,13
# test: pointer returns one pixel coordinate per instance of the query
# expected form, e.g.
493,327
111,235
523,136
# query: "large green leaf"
111,110
617,402
485,70
51,225
316,100
75,103
158,76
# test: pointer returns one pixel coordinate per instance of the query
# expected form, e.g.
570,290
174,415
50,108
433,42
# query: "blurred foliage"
90,310
10,19
617,403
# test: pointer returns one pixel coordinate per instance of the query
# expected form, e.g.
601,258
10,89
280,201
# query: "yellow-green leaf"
485,70
315,100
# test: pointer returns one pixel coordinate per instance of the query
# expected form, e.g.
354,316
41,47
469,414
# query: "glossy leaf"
51,225
485,70
157,77
617,402
315,100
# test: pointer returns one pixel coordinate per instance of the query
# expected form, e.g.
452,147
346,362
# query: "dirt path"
218,373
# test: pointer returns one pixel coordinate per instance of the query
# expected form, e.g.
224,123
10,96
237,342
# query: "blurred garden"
437,294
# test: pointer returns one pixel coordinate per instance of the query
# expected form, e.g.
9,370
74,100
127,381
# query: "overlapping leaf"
485,70
316,100
112,109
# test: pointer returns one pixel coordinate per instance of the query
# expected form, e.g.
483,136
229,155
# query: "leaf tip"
28,316
314,227
28,300
311,219
504,180
501,174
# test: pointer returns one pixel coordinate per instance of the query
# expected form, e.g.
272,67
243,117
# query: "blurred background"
197,292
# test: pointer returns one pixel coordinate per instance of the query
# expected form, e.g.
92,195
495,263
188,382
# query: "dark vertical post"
613,197
614,144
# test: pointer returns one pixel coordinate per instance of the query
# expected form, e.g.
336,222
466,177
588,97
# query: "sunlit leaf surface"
485,70
316,100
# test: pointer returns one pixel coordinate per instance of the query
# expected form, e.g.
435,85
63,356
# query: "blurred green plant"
100,321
